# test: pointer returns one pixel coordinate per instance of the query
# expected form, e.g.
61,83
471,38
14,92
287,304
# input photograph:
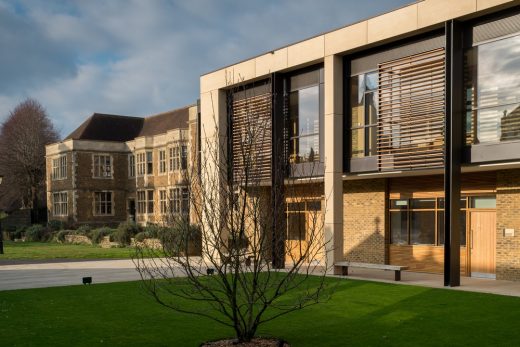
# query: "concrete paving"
52,274
471,284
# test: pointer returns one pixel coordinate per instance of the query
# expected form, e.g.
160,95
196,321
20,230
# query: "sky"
141,57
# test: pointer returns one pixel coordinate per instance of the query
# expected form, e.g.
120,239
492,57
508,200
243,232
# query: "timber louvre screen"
251,128
411,112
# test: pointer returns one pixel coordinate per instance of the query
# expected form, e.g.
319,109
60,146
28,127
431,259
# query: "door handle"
471,236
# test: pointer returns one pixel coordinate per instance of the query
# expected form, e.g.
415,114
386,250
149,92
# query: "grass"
42,250
359,314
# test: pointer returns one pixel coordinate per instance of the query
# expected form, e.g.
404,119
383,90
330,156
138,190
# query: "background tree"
23,137
236,281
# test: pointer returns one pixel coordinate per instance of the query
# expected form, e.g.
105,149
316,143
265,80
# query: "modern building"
410,121
117,168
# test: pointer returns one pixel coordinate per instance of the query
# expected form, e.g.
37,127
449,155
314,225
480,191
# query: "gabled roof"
109,127
162,122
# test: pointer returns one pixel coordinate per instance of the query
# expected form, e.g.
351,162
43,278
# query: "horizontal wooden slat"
411,112
251,137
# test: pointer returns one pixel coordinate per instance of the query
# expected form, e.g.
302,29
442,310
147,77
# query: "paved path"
52,274
471,284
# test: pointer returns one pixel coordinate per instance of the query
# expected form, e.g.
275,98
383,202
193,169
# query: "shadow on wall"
372,248
367,249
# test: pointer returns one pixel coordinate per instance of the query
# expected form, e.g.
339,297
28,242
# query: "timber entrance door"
483,243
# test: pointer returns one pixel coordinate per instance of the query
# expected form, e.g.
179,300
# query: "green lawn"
41,250
359,314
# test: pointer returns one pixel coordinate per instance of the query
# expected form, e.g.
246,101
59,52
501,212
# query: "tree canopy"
23,137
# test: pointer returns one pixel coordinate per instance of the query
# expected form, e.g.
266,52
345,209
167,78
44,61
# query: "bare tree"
236,281
23,137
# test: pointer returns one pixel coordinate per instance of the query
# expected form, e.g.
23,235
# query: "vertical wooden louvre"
251,143
411,112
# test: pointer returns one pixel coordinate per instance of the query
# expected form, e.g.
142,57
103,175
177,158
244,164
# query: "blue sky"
140,57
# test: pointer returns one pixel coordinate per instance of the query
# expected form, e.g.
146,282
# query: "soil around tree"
256,342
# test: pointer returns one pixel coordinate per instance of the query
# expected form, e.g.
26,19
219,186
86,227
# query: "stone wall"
508,216
86,185
364,220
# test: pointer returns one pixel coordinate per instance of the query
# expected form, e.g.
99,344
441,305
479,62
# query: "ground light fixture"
1,233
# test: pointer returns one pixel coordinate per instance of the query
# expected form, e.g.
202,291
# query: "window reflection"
493,91
304,106
364,104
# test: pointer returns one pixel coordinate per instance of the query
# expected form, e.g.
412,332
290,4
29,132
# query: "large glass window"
305,110
493,91
414,221
364,104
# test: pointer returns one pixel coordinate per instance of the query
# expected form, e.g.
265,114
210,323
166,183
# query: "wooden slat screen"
411,112
251,135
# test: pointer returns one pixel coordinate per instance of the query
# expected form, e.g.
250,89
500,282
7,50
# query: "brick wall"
508,216
364,220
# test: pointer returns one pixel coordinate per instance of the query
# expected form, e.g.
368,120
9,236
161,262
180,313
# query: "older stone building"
117,168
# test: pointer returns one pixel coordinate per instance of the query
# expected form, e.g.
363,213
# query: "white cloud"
141,57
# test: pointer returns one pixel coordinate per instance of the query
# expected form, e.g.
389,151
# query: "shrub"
60,236
98,234
55,225
125,232
180,238
18,233
37,233
152,231
84,229
140,237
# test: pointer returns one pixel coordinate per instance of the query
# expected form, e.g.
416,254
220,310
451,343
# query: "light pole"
1,232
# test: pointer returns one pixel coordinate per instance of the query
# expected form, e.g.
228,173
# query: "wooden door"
483,243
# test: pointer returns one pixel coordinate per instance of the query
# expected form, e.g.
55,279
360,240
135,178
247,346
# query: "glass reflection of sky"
309,110
498,90
499,72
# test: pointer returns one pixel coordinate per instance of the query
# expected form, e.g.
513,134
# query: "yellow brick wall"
508,216
364,220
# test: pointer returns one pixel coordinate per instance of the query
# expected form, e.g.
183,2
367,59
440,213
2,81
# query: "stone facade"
508,208
80,183
364,219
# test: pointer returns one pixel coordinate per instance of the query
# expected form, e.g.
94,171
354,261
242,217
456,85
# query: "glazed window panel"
131,165
399,227
422,227
174,158
493,91
296,226
305,109
163,201
141,202
363,115
180,201
141,164
440,227
149,201
149,163
59,168
162,161
102,203
60,204
102,166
